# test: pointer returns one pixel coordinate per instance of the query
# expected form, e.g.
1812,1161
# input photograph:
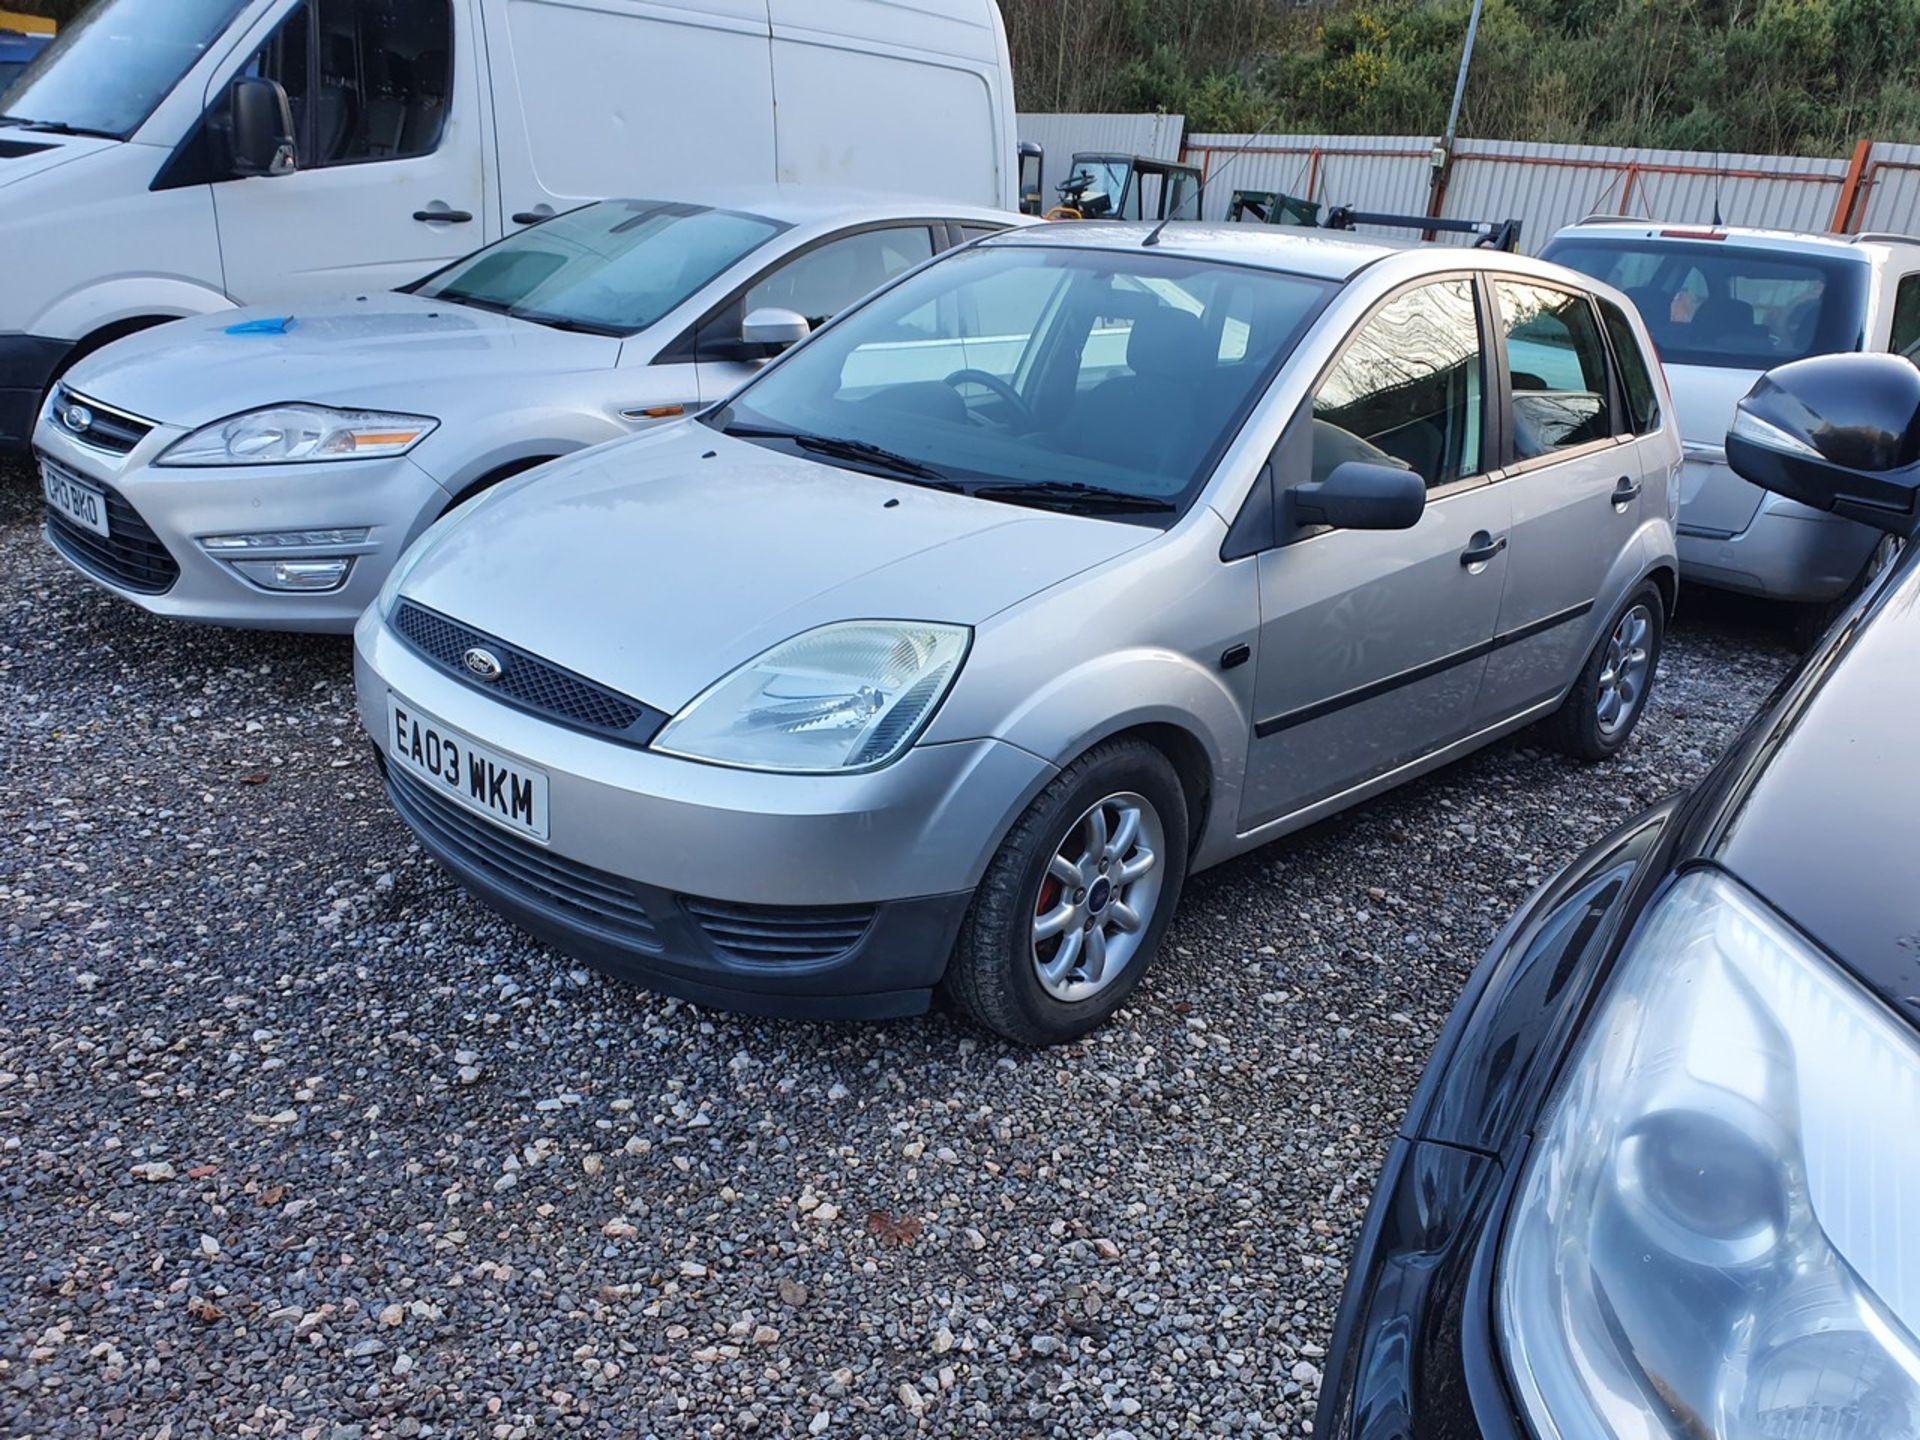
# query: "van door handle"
443,217
1482,548
533,217
1626,492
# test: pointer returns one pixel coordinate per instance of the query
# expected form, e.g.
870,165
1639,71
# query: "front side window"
1408,389
823,281
1069,378
1557,365
111,66
1727,305
1906,318
615,267
367,79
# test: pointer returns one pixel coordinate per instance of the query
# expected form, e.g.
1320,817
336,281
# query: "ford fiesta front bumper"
816,896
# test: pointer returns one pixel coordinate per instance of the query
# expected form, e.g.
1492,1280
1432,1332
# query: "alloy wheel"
1098,897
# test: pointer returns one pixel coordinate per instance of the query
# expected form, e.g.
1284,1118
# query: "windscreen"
112,65
1728,305
614,268
1088,378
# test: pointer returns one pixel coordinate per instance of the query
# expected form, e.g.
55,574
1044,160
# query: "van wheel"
1610,696
1073,906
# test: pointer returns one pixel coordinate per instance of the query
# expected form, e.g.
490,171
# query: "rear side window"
1408,389
1643,397
1726,305
1906,318
1557,364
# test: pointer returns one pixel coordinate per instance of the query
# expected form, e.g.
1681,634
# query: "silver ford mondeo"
1077,560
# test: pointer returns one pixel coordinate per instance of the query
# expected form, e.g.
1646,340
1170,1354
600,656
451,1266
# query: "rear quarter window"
1636,379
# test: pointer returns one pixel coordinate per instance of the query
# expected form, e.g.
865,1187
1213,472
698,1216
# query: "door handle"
1482,548
531,217
1627,491
443,217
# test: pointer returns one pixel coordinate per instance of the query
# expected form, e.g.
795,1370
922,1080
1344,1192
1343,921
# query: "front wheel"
1608,699
1074,904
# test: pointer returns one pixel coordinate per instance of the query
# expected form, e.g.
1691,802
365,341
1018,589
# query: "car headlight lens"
294,434
849,696
1711,1239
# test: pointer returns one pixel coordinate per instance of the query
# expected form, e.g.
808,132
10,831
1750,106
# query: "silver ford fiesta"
1075,561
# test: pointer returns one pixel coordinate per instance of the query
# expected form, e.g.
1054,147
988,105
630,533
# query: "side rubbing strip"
1335,703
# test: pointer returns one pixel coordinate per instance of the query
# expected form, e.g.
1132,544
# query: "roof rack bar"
1492,234
1885,237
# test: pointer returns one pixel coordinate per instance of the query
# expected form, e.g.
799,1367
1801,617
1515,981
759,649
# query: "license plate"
82,504
508,792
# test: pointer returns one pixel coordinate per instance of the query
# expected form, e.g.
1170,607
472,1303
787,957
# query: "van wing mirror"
1839,433
1362,495
774,329
261,128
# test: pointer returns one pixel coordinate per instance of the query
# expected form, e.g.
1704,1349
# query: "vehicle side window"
826,279
1408,389
974,232
1558,365
367,79
1906,318
1643,398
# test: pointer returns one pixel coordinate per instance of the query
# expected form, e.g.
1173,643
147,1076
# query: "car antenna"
1201,194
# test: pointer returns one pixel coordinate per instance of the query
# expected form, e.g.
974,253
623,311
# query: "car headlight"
849,696
295,434
1712,1237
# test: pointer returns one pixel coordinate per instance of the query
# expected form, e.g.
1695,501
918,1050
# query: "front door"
387,121
1575,483
1372,643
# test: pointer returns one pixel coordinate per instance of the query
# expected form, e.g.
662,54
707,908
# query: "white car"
1723,304
266,467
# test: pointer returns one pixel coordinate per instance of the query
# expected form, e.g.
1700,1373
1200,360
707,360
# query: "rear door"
1372,643
1573,476
646,99
391,181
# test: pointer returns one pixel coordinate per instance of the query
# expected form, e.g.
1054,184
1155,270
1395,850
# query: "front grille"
107,429
590,898
130,555
776,932
526,680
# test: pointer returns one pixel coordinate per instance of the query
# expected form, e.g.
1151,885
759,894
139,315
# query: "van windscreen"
111,66
1726,305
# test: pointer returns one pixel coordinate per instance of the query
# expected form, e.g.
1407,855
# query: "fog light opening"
307,576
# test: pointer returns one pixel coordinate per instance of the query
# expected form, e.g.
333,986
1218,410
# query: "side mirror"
1839,433
1360,495
262,128
775,329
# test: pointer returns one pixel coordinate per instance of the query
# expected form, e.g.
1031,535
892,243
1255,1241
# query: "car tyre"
1599,714
1046,952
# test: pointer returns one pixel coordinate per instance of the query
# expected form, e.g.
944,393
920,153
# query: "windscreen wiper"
561,322
1075,496
57,127
838,448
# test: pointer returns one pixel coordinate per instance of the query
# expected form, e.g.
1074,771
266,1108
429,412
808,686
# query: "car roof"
1296,250
1826,827
1866,247
824,205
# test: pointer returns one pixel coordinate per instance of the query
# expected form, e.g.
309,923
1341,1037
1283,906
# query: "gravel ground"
296,1140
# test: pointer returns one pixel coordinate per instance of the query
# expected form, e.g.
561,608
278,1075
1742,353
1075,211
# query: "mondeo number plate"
510,793
82,504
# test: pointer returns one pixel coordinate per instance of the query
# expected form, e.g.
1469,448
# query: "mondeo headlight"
849,696
1711,1239
294,434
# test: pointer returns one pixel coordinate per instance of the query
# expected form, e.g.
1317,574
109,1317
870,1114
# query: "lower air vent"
775,934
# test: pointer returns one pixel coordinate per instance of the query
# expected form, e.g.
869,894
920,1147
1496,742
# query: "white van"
166,158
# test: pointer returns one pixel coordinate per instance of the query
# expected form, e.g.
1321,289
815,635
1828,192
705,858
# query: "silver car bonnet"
349,352
659,564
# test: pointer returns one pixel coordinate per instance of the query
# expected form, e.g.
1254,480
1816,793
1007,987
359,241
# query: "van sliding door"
634,98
